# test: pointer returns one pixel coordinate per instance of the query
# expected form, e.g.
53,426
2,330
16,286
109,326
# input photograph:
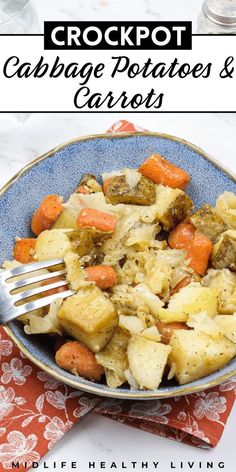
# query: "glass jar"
18,17
217,17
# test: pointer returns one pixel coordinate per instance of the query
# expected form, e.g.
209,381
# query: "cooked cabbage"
226,208
114,248
205,324
159,269
131,380
46,324
143,236
227,324
128,302
153,302
114,359
97,201
151,333
75,275
132,177
225,282
132,324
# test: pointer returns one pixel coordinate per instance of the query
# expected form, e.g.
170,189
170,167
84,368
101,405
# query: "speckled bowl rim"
129,395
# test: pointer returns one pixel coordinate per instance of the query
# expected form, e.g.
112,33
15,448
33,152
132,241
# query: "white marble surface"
215,133
120,10
96,438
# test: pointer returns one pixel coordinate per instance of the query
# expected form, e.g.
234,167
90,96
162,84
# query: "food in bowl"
154,280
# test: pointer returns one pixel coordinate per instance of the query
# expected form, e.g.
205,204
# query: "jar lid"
221,12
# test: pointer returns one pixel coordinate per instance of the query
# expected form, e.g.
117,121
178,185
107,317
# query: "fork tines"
11,303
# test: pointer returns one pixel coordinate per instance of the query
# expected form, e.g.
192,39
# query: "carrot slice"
53,291
104,276
199,252
82,189
166,330
161,171
183,283
90,218
75,357
24,250
181,236
47,213
198,246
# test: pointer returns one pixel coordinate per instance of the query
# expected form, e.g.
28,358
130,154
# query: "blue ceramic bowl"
59,171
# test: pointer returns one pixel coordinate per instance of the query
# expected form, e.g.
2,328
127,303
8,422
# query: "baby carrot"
199,252
161,171
181,236
104,276
24,250
90,218
77,358
166,330
46,214
198,246
53,291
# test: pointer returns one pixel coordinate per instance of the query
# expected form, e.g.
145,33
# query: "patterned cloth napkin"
37,410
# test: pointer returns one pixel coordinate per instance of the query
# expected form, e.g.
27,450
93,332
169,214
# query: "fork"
8,308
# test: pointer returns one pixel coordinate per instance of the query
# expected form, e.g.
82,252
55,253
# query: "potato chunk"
194,299
147,361
167,316
224,251
208,222
55,243
52,244
172,205
67,219
89,317
195,355
118,190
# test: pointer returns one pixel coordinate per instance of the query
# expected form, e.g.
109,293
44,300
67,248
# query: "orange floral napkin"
37,410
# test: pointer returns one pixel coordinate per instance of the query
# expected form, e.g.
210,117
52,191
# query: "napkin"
37,410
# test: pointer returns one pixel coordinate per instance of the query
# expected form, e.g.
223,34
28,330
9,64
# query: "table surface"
185,10
95,438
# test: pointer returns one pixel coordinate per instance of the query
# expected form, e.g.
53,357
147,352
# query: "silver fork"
8,308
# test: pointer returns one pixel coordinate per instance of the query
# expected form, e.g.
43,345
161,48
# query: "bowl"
59,171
